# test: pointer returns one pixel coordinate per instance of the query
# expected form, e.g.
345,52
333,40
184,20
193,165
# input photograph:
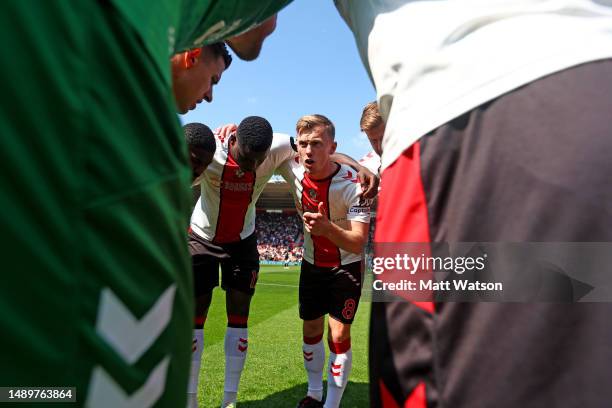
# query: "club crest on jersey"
239,173
312,193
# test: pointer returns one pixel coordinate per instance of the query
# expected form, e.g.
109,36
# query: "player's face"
199,159
248,45
314,147
247,160
375,136
194,84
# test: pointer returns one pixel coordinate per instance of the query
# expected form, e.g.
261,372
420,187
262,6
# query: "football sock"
197,346
314,361
340,363
236,345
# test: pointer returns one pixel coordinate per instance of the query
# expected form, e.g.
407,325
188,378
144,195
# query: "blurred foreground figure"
497,130
96,290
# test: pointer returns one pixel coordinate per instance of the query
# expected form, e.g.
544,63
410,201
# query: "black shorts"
330,290
239,264
530,166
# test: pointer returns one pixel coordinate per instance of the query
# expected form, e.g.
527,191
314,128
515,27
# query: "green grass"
274,373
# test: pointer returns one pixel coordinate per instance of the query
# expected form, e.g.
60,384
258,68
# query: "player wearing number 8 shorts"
336,221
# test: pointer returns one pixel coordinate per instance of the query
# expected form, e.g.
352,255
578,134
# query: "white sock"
192,400
236,345
337,377
197,346
228,398
314,361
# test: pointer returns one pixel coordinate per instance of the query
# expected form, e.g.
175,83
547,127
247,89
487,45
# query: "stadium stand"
279,228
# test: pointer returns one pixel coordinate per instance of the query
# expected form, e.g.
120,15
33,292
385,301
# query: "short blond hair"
370,118
308,122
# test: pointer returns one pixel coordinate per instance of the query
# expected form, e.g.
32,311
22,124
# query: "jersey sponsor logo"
359,210
237,186
234,201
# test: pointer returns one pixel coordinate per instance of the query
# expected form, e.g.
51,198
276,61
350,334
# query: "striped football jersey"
225,211
341,195
371,161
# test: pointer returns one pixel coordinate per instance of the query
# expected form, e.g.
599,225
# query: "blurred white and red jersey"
371,161
225,211
341,195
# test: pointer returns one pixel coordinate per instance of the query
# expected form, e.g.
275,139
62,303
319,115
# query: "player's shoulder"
282,150
281,140
346,176
371,161
347,182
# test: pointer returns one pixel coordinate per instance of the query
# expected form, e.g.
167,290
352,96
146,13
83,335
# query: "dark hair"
255,133
200,135
220,50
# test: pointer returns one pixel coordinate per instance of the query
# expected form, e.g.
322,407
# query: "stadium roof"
276,196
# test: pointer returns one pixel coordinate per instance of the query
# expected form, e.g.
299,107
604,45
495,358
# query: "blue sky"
310,64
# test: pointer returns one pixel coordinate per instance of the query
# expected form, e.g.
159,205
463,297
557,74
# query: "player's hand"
225,131
317,223
369,182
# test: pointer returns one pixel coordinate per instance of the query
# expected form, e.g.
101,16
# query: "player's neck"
326,172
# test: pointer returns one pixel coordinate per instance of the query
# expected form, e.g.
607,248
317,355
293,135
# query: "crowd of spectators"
279,237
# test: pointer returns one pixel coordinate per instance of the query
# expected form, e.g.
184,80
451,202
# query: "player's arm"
369,181
351,239
223,132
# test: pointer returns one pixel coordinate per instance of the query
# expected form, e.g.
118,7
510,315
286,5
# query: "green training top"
170,26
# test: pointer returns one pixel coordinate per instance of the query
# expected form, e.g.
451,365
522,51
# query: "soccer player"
96,291
373,126
497,130
248,45
195,72
223,233
336,220
201,147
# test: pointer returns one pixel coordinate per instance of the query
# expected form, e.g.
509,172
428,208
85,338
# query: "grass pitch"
274,373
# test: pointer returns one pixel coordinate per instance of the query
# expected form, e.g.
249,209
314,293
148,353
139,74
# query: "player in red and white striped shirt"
223,233
336,220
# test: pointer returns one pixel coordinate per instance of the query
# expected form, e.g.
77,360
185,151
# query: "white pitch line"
278,284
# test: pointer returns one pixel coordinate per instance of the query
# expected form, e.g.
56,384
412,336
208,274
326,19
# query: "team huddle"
492,124
231,173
